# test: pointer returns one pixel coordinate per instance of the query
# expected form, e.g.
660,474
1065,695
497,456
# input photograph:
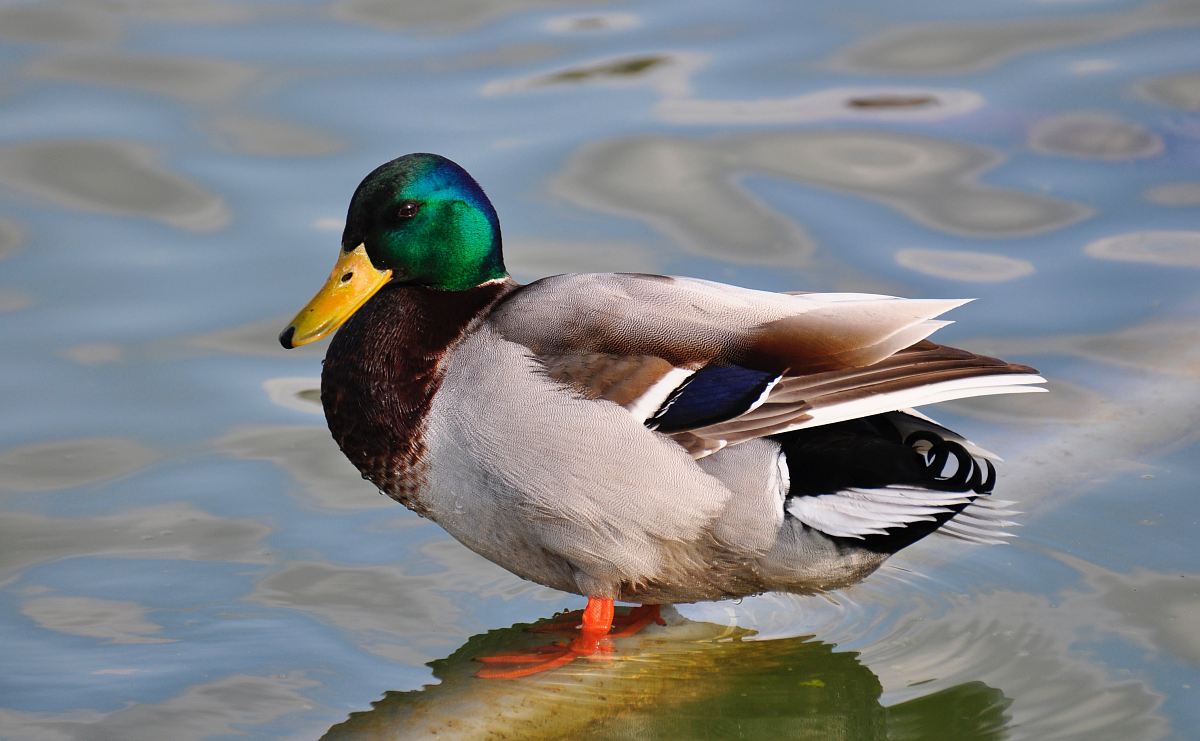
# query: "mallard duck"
636,437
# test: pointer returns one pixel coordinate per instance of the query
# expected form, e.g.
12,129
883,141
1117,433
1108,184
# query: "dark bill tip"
285,338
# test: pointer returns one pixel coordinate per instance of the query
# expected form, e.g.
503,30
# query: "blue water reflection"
184,554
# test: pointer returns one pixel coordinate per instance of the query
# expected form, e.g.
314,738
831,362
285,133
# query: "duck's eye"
408,209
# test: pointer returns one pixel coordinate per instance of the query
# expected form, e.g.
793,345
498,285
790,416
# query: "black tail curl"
871,453
969,474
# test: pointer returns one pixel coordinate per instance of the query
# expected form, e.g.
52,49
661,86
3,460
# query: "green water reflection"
690,680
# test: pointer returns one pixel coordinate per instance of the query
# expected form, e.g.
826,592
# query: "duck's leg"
623,624
592,639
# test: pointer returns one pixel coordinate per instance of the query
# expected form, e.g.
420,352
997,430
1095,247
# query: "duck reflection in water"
637,437
687,680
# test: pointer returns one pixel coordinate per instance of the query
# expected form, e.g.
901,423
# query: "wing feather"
923,373
636,340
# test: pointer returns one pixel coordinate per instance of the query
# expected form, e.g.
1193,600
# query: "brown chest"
381,373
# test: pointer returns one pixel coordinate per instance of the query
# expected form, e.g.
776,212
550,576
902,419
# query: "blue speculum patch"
713,393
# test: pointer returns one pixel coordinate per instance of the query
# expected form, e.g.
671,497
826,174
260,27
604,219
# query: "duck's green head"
417,220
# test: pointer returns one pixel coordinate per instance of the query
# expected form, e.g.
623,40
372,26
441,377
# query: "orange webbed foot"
594,626
540,659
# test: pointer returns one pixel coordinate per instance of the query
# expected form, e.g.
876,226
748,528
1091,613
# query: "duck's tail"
884,482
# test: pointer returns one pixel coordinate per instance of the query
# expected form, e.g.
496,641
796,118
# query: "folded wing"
714,365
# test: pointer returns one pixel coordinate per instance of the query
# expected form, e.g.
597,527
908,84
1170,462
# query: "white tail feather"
982,522
855,513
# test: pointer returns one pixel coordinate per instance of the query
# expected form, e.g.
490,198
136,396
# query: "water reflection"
669,74
629,67
658,686
110,177
970,267
308,455
1170,346
166,531
466,573
1168,627
51,23
688,187
264,137
958,48
70,463
1175,194
110,620
196,80
1030,646
390,613
852,104
531,258
223,707
10,237
14,301
1180,90
1094,136
918,638
684,189
492,59
300,394
592,22
1173,248
1134,412
248,339
1066,402
93,353
447,15
158,587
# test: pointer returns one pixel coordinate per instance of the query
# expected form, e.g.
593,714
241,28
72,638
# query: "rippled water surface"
184,554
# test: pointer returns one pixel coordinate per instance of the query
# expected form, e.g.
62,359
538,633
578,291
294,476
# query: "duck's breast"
573,493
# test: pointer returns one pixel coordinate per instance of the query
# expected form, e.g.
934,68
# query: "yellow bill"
353,280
